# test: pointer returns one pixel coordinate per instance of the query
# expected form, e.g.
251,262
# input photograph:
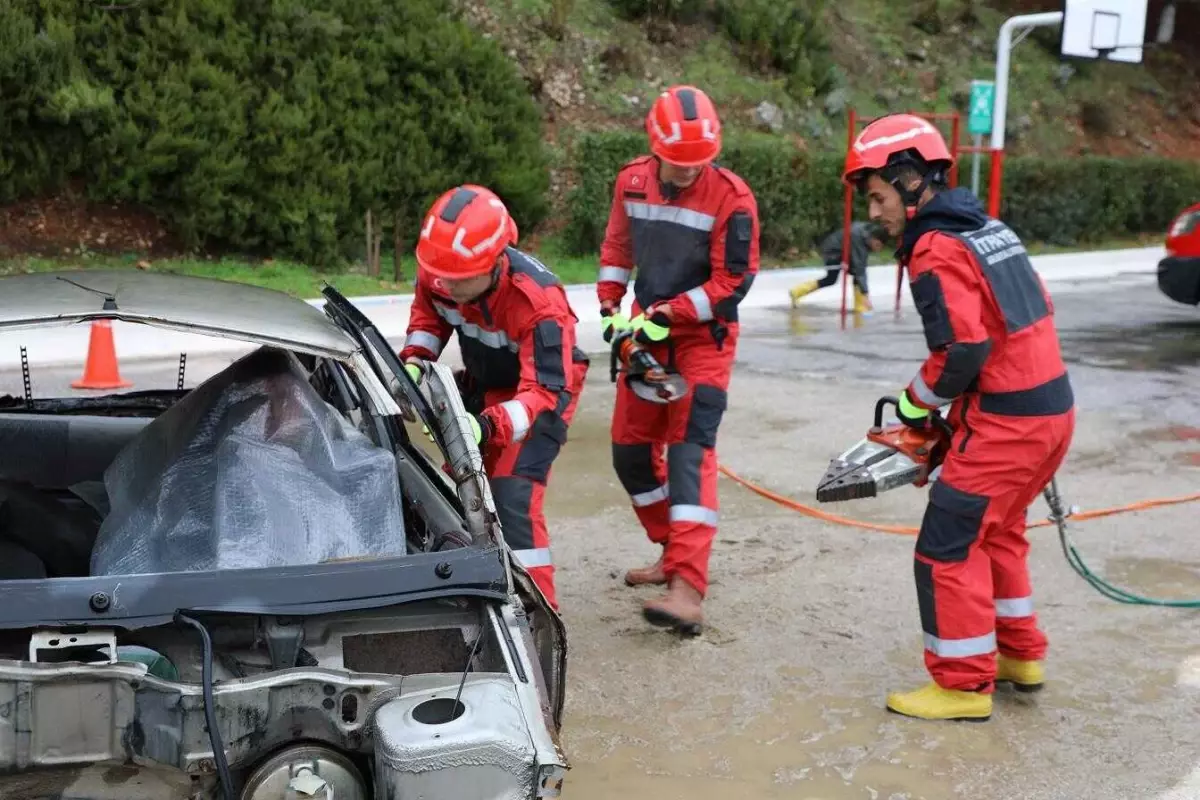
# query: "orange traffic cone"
101,371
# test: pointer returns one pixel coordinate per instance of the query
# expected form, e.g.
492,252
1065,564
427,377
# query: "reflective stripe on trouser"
642,470
971,560
676,499
518,475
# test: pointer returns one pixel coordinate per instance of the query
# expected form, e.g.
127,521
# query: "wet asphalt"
1125,345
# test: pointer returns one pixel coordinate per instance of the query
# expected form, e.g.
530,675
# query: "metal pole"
1000,110
852,128
975,164
954,134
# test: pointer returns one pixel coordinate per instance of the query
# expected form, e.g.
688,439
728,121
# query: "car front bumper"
1179,279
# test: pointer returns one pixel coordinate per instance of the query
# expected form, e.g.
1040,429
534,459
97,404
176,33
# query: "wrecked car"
259,588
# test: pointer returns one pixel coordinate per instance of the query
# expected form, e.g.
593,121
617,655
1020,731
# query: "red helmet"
466,230
684,128
881,142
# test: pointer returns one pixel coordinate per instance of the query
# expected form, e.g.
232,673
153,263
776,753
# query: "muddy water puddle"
1158,576
844,745
583,482
815,747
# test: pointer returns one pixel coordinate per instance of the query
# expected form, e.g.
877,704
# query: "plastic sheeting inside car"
251,469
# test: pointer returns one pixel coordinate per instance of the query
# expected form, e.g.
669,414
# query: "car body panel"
1179,271
174,302
134,601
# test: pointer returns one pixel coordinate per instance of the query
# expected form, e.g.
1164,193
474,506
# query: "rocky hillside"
591,66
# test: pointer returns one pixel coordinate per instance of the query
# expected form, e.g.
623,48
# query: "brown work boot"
652,575
680,608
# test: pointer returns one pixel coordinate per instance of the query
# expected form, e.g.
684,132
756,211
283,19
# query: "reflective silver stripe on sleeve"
1014,607
680,216
424,339
651,497
961,648
705,516
699,299
497,340
534,558
615,275
519,418
926,395
451,315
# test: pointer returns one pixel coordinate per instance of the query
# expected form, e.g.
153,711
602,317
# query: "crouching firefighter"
995,361
522,372
690,230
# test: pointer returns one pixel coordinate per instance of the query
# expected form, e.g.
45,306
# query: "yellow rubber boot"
800,290
934,702
862,303
1025,676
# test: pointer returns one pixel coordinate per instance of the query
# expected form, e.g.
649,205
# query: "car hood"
179,302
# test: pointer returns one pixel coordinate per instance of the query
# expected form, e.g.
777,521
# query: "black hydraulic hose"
210,706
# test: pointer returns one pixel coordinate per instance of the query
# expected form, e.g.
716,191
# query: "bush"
1091,198
264,126
686,11
800,196
789,37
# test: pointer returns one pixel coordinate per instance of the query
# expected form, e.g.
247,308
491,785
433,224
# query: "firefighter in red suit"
995,361
522,373
689,229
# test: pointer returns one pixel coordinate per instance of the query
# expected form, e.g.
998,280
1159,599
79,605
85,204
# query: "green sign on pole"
983,97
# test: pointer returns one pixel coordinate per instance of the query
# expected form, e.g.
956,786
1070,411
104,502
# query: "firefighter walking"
522,373
995,360
689,230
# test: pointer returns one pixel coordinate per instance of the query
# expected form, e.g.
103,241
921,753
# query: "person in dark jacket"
996,365
865,238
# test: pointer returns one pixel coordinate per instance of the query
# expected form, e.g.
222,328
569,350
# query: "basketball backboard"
1111,30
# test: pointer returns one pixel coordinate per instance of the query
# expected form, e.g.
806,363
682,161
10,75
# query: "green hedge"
264,125
800,195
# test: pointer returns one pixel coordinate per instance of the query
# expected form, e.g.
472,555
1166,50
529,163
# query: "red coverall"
524,374
995,358
698,251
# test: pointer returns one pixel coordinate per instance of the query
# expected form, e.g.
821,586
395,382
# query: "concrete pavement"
67,345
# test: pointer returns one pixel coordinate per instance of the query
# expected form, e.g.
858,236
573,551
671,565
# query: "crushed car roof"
195,305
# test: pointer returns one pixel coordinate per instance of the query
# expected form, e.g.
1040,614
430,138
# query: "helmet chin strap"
910,197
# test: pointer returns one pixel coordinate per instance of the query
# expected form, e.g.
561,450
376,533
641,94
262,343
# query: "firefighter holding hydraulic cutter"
690,231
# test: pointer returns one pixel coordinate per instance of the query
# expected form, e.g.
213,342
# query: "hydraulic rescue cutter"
644,375
892,456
